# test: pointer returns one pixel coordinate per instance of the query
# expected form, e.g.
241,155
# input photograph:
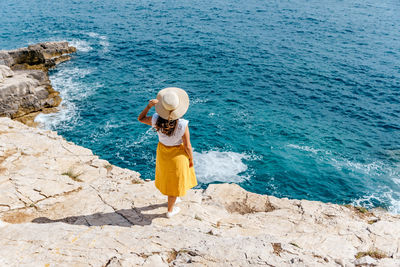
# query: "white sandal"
175,210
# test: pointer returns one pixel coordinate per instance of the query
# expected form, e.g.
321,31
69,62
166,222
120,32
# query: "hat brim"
179,111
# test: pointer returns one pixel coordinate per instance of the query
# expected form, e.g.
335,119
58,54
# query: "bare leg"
171,202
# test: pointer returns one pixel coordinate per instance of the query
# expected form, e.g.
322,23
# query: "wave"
85,44
68,82
102,39
146,136
307,149
198,100
67,112
105,44
216,166
373,169
103,130
384,195
93,34
81,45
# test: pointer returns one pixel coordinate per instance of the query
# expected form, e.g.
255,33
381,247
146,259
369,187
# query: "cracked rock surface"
25,89
60,205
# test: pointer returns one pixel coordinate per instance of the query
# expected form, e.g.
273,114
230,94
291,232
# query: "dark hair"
167,127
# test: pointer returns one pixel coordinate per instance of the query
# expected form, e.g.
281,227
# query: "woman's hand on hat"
152,102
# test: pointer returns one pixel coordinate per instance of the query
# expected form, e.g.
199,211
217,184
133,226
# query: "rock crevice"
25,88
111,216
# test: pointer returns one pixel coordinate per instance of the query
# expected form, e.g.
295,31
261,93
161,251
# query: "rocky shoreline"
25,88
60,205
63,206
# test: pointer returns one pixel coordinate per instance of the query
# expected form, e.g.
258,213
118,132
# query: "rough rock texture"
63,206
5,72
25,89
38,56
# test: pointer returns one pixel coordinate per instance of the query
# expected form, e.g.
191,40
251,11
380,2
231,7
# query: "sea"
296,99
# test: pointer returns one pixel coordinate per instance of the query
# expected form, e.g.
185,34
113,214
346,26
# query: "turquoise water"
297,99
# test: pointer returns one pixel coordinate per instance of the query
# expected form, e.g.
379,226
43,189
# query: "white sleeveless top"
176,138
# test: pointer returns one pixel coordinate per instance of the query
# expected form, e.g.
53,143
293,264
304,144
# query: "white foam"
81,45
104,130
372,169
105,44
219,166
394,203
66,113
384,195
142,138
197,100
102,39
93,34
67,81
306,148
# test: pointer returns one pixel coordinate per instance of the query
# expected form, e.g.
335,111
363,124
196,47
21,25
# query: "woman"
174,162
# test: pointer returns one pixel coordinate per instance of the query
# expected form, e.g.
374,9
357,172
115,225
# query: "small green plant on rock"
33,205
362,209
294,244
108,167
361,212
137,181
277,248
373,221
71,173
373,253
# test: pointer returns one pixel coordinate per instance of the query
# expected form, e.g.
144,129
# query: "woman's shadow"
123,217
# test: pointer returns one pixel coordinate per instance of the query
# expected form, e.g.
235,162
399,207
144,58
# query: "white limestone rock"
365,261
25,88
5,72
63,206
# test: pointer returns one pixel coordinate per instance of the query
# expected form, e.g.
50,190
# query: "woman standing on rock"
174,162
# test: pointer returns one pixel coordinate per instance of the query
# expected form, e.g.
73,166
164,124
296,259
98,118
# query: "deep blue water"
298,99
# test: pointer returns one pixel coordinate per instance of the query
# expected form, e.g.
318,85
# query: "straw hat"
172,103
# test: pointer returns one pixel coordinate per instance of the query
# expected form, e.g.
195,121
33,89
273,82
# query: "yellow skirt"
173,175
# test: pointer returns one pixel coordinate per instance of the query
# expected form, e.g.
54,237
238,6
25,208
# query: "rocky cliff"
60,205
25,89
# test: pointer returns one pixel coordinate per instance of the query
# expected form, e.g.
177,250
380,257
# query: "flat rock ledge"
25,88
60,205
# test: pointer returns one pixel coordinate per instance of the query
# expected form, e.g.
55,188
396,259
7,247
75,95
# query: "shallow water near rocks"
297,99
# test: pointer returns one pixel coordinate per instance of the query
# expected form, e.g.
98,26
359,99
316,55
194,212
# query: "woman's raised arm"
143,118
